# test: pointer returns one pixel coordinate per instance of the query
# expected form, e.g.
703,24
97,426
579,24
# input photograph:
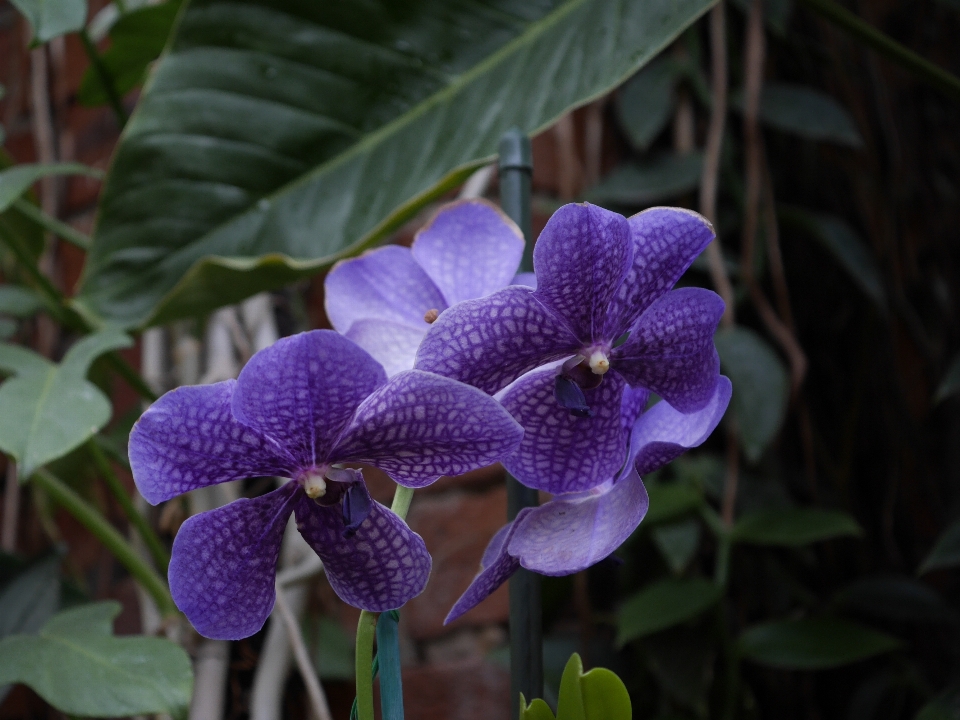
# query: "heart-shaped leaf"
664,604
595,695
77,665
276,137
812,643
51,409
794,527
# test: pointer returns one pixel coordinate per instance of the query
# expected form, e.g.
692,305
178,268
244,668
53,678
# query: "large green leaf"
946,553
51,409
50,18
595,695
276,136
812,643
31,598
760,387
665,604
794,527
78,666
18,301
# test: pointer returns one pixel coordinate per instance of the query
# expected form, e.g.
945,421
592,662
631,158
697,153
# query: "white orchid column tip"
599,362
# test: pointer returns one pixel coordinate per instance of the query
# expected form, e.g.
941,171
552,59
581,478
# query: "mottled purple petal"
378,568
666,241
383,284
495,569
567,535
560,452
469,249
581,258
633,403
391,344
490,342
670,349
420,426
302,390
224,564
188,439
663,433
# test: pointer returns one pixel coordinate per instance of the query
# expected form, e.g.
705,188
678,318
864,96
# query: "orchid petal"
581,258
189,439
302,390
663,433
391,344
379,567
670,349
632,406
469,249
561,452
527,279
383,284
420,426
565,536
224,562
666,241
491,341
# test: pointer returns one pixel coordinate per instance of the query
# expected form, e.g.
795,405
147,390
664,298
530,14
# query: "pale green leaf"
276,137
15,181
79,667
595,695
536,710
641,184
664,604
812,644
18,301
52,18
794,527
760,387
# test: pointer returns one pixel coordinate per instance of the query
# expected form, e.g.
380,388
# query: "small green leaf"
51,18
596,695
950,385
641,184
946,553
31,598
537,710
669,501
51,409
760,387
677,543
892,597
19,301
794,527
645,102
15,181
665,604
78,666
805,112
812,644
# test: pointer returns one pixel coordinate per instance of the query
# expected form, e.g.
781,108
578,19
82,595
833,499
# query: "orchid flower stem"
367,627
90,518
159,554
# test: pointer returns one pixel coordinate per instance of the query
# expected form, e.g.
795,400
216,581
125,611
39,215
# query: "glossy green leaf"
893,597
664,604
805,112
78,666
18,301
950,385
845,246
52,18
669,501
812,644
29,600
15,181
642,184
946,552
536,710
645,102
596,695
760,387
136,40
51,409
677,543
794,527
275,137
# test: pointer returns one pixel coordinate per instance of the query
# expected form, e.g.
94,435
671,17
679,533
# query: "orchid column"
526,631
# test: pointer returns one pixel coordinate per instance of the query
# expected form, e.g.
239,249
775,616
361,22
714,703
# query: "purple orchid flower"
386,299
575,530
300,409
604,304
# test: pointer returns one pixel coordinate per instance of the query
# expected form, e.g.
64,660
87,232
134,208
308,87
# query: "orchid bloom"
300,409
386,299
575,530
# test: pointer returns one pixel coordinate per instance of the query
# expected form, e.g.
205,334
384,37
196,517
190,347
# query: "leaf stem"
52,224
97,524
366,631
888,47
103,74
159,554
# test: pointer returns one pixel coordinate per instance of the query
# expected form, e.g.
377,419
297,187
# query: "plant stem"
887,46
91,519
401,501
103,74
366,631
159,554
52,224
